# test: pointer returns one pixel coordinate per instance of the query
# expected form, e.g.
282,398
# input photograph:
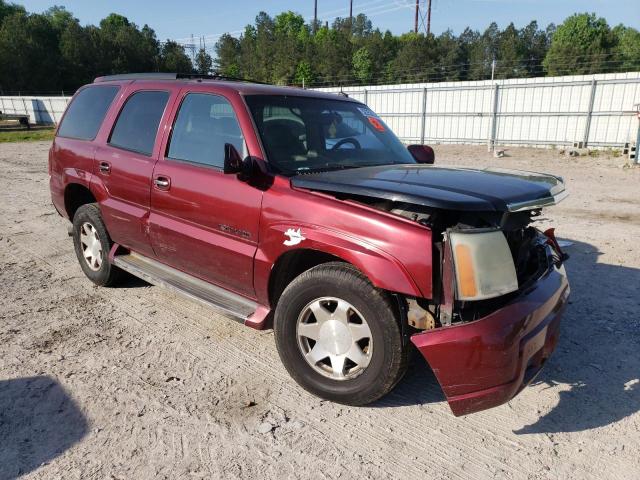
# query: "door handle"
163,183
105,167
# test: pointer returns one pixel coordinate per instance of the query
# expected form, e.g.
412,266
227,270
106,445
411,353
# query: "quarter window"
137,124
204,124
86,112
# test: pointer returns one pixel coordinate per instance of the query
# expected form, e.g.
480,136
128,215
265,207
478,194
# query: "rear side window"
86,112
137,124
204,124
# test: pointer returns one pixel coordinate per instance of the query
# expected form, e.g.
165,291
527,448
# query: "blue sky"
179,19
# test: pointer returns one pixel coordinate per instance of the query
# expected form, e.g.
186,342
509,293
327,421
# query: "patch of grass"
24,135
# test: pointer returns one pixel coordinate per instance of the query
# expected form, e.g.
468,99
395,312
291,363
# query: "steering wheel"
351,140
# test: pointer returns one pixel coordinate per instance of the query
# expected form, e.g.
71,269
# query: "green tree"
304,74
362,65
174,59
228,56
60,18
79,56
627,50
204,62
124,48
451,57
535,44
29,55
7,9
290,35
582,44
482,52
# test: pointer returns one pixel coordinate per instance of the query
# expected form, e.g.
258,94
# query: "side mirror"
422,153
234,163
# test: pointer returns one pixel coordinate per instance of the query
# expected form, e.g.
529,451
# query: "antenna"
415,26
428,17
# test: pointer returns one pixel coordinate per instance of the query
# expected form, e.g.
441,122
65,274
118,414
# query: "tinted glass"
302,134
137,124
86,112
203,126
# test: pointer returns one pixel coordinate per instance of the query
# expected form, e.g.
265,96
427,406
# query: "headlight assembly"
483,264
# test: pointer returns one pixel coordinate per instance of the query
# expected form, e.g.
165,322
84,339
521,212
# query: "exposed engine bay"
527,247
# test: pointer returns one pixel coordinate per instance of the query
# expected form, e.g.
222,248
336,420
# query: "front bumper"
487,362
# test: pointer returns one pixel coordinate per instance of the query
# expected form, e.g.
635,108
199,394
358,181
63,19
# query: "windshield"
303,134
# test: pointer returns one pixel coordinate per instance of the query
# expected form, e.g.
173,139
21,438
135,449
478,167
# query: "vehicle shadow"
596,366
131,281
38,422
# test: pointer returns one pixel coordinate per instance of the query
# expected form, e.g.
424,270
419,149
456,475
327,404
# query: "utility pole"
315,15
415,23
350,17
428,17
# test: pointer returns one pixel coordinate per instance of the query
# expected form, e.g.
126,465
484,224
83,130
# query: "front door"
202,221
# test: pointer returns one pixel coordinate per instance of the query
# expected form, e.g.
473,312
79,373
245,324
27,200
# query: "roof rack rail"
171,76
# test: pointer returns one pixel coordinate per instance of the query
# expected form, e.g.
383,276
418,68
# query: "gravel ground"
134,382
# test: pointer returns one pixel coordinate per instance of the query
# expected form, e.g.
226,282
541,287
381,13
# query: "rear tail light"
483,264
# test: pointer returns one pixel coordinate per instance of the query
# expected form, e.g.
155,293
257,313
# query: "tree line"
286,50
53,52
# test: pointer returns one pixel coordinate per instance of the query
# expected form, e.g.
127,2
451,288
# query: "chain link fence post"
587,126
491,144
423,125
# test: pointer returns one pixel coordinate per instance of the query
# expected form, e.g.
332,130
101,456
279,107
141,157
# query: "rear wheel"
338,336
92,245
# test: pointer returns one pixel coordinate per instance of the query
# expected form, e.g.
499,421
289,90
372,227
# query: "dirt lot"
134,382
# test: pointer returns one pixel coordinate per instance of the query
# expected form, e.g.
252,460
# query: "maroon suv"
302,211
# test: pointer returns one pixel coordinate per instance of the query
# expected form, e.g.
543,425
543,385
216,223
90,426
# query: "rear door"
124,167
204,222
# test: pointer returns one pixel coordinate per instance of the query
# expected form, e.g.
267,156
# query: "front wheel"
338,336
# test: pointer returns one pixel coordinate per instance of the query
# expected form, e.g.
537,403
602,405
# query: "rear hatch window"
86,112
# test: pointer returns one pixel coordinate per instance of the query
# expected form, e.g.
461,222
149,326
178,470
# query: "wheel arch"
322,246
291,264
76,195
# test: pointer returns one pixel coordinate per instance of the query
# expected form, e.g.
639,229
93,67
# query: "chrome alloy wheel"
334,338
91,246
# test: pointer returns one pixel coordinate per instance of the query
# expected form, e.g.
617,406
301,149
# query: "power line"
377,7
445,72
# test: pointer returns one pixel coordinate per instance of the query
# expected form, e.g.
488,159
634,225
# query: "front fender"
383,270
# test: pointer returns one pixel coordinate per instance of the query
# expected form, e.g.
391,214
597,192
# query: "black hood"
447,188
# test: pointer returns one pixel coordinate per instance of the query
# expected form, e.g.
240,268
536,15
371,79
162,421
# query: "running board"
187,285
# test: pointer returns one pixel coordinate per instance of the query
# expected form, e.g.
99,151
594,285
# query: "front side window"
205,123
86,112
137,124
302,134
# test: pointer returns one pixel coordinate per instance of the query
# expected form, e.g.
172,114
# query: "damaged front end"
500,291
498,284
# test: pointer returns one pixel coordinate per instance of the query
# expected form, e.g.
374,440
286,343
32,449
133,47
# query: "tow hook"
551,240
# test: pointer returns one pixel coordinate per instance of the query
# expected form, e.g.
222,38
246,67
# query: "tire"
318,289
87,223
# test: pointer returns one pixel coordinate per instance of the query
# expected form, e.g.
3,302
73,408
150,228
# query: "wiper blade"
325,169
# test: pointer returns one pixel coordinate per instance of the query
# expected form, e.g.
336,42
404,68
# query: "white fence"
594,110
41,110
